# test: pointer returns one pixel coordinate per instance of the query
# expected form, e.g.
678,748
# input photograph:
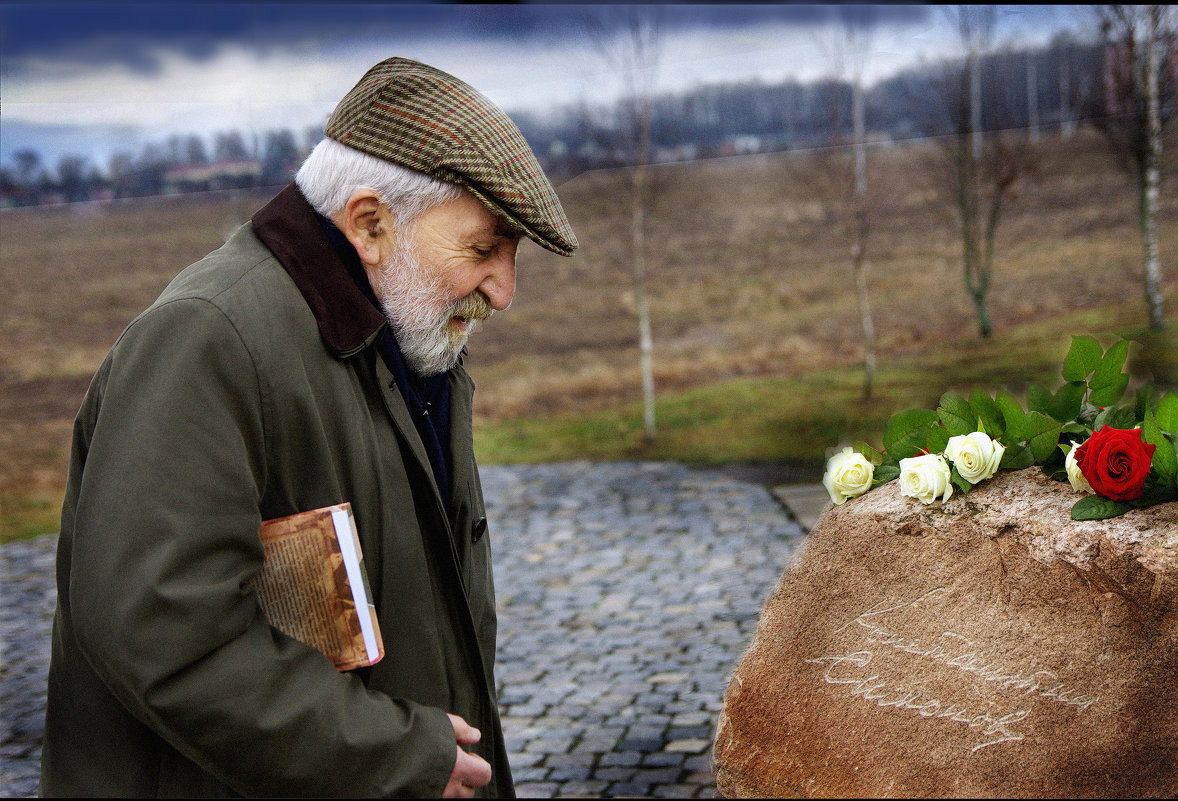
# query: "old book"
312,585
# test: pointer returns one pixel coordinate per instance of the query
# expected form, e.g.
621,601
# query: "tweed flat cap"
422,118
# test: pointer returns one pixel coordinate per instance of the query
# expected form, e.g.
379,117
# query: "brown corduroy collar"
289,228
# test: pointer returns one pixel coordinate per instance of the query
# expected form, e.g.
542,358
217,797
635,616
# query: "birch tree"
859,236
634,54
1138,41
980,167
852,53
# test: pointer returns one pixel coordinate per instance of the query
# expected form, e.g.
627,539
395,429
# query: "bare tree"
634,54
229,146
980,166
1138,40
71,177
194,150
851,53
1032,97
28,165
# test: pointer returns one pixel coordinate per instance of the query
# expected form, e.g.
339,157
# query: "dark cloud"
131,33
128,32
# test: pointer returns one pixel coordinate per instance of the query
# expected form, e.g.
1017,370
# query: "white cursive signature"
957,651
842,670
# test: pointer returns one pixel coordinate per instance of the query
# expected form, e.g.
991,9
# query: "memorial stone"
987,646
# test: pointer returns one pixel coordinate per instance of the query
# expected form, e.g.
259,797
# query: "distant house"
239,174
743,145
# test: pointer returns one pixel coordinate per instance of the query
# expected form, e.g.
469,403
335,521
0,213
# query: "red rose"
1116,462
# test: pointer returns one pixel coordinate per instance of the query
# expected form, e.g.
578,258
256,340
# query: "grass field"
758,349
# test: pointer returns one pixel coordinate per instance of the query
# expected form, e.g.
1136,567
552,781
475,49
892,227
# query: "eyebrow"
502,230
506,231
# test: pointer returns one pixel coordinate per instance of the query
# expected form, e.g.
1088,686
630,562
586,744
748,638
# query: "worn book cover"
313,587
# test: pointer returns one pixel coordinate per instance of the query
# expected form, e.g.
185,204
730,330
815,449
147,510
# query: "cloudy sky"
88,78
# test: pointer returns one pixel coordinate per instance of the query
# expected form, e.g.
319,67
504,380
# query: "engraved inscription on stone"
887,658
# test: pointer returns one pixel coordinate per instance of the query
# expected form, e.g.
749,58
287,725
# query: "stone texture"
984,647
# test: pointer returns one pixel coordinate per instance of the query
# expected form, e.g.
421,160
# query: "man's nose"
499,285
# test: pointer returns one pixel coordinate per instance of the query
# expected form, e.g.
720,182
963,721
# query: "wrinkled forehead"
466,218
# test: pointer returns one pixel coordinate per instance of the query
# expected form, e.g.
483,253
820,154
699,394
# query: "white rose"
1075,477
925,478
975,455
848,475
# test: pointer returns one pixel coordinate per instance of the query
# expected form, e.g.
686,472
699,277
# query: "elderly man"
314,359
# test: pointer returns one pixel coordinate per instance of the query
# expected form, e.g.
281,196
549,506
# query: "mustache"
474,306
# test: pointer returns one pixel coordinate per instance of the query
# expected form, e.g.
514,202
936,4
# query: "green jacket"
251,389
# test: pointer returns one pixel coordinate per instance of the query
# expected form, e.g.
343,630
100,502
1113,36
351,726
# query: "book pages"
312,585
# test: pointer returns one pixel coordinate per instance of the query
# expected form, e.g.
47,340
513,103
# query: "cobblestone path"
627,594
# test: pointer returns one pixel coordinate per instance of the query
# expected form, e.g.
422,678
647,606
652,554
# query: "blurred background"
795,219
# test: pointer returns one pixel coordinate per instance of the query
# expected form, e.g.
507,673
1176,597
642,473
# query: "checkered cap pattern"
424,119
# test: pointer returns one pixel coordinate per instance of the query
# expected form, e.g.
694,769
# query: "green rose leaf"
1038,398
1088,414
1165,461
1056,461
1156,490
1065,404
1057,474
1116,417
1012,414
1016,457
1083,357
1167,413
1109,394
885,473
987,410
1042,434
957,415
1174,445
870,453
1094,507
1108,383
1147,398
907,432
959,481
1111,363
937,439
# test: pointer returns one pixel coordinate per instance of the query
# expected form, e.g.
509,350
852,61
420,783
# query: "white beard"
416,306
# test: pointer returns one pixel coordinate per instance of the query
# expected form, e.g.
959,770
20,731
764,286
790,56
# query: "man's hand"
471,771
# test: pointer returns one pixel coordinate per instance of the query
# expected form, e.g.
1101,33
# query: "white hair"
333,172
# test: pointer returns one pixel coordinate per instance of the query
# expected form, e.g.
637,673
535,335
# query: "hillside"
750,288
750,276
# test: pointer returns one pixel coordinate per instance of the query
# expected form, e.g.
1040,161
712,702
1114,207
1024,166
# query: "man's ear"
367,224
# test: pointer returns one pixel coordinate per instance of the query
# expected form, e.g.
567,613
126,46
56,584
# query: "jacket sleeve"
165,542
